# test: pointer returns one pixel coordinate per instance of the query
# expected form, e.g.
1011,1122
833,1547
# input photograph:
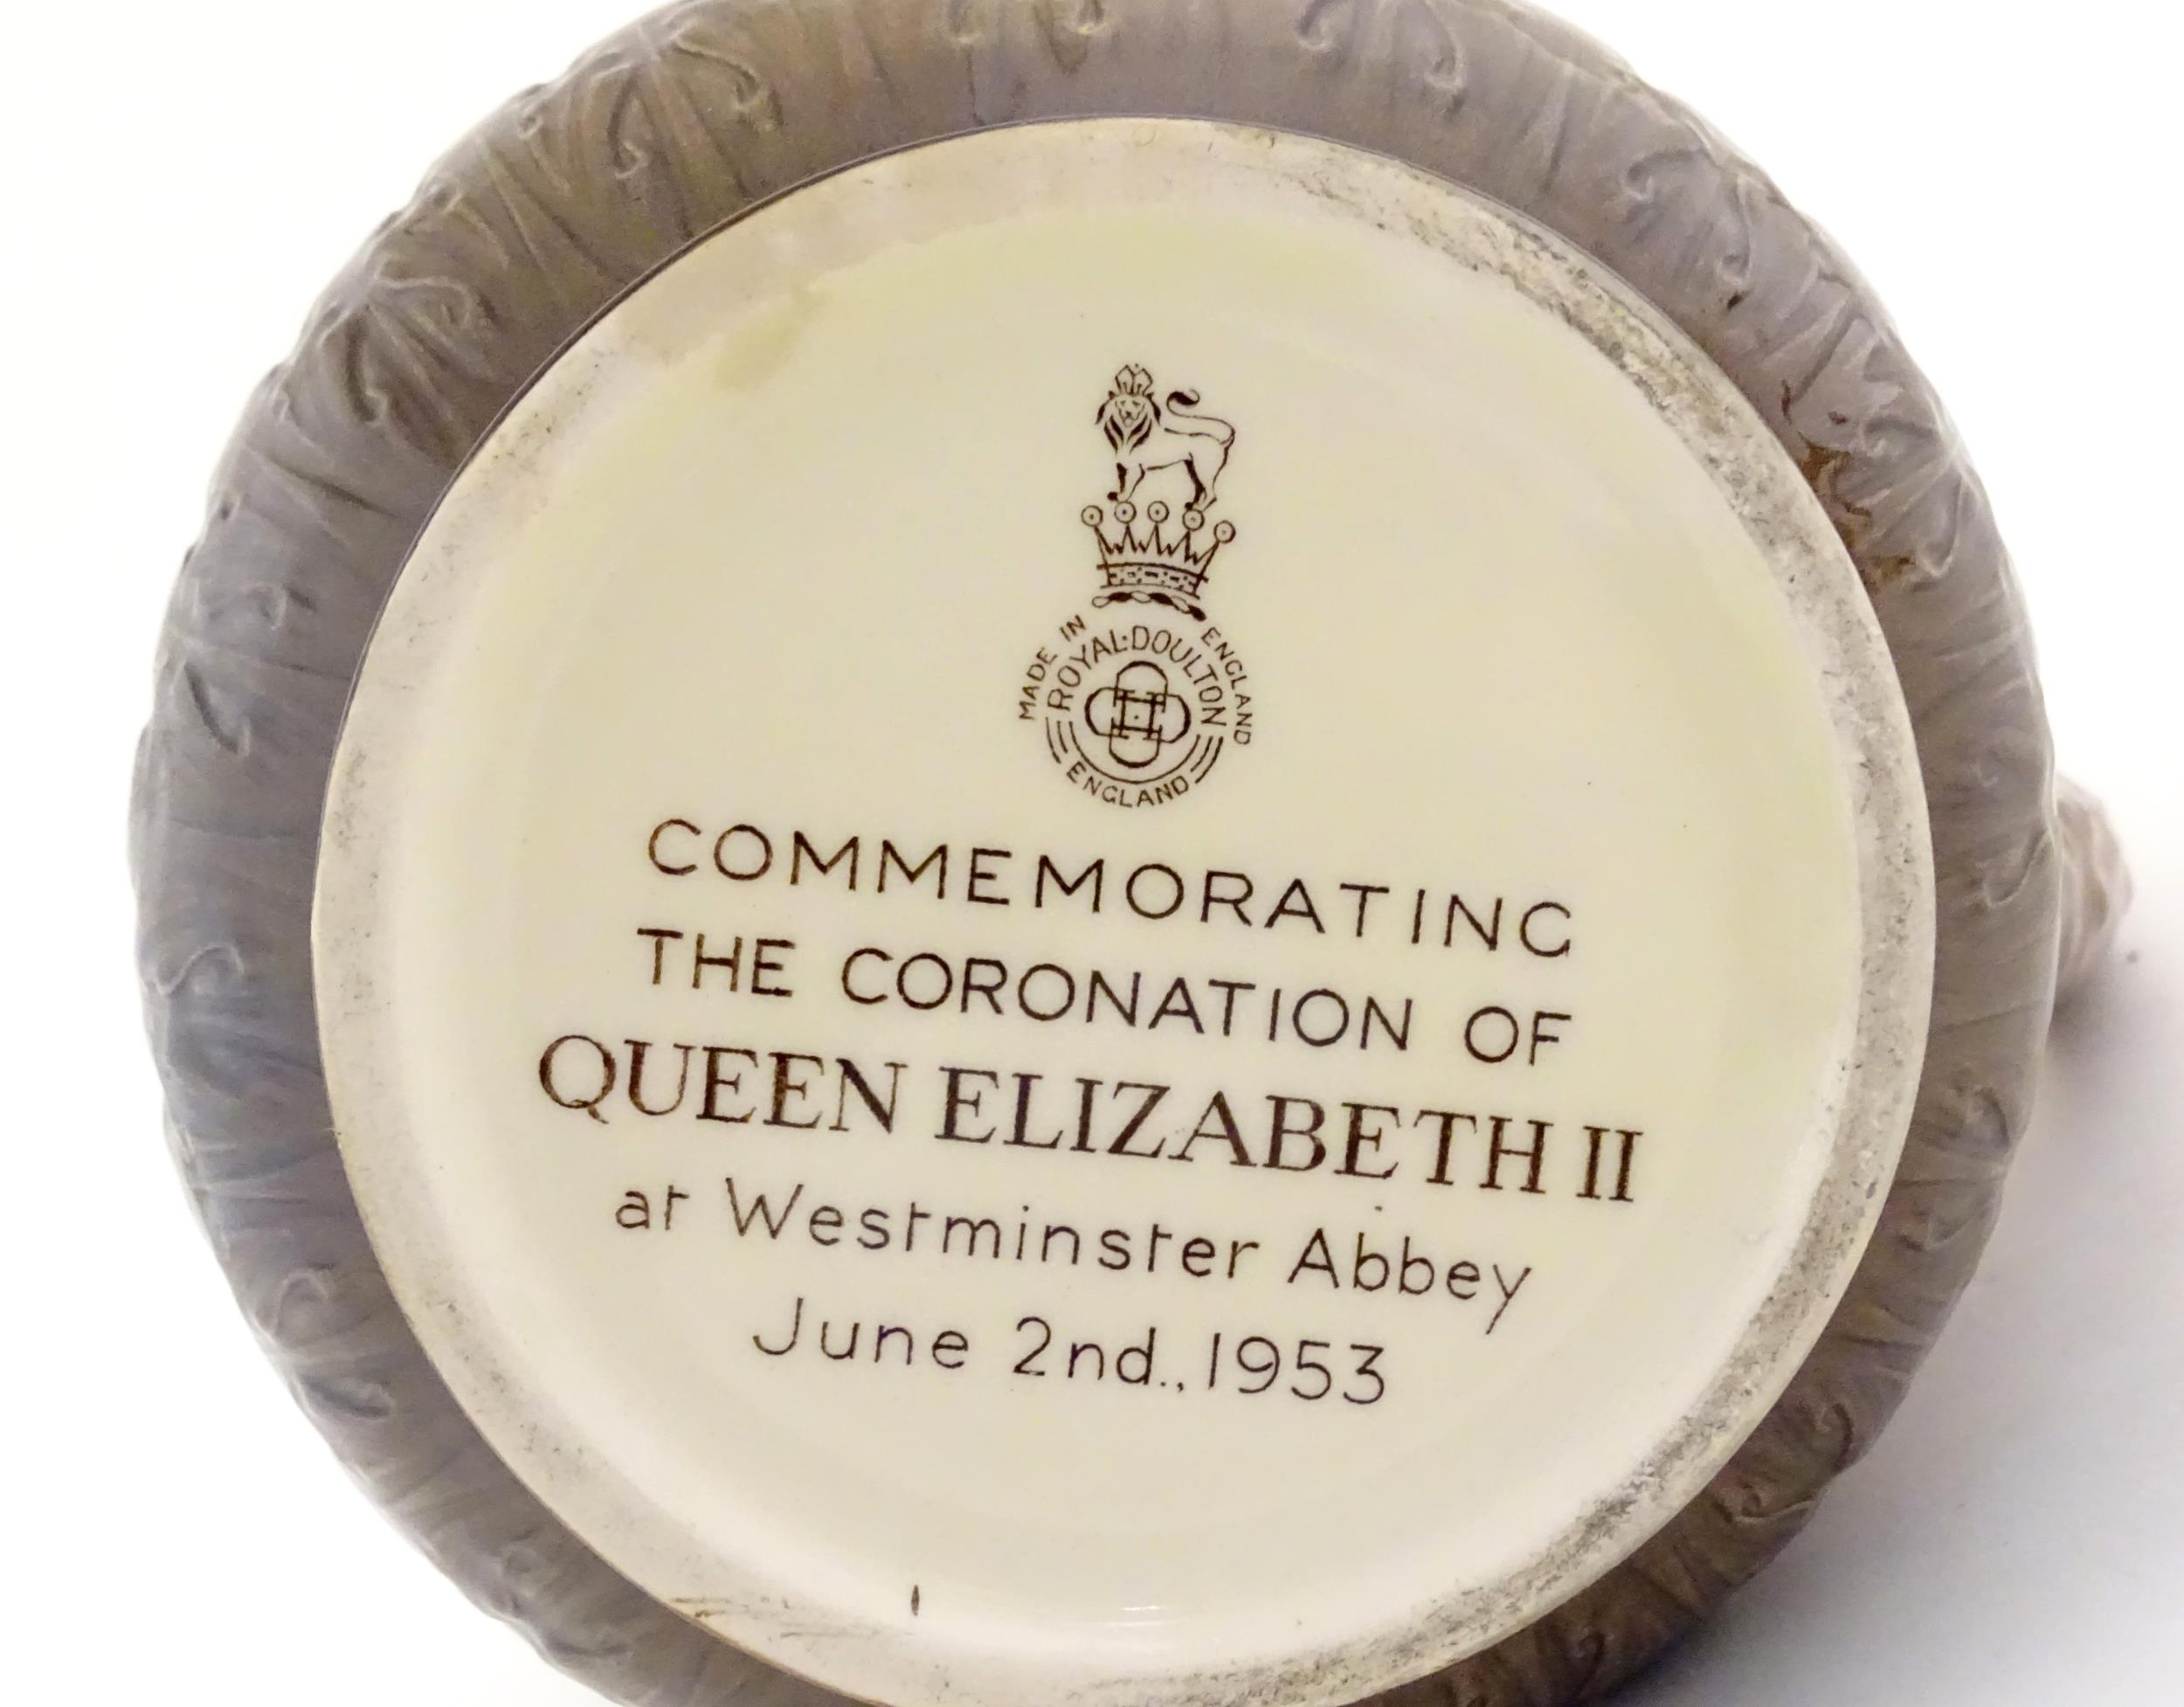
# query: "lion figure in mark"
1148,436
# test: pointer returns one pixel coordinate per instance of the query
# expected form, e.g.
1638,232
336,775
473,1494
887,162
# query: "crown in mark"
1154,557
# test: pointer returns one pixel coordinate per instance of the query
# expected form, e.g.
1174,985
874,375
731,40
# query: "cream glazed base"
1542,688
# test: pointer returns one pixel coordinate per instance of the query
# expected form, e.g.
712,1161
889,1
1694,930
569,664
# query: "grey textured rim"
558,204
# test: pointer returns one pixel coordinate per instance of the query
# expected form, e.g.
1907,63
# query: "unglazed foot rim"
539,221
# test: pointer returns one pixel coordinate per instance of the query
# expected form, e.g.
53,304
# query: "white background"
182,179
